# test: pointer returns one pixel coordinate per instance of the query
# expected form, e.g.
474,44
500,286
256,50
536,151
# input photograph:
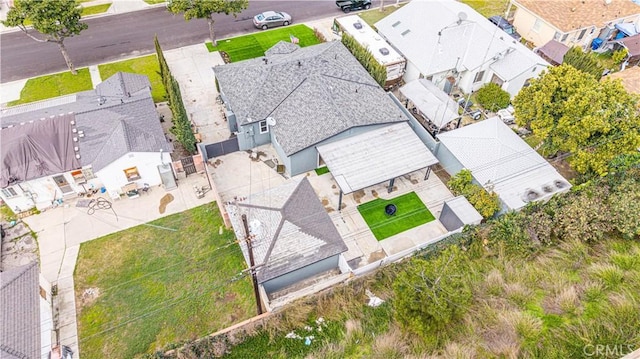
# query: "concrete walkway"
95,75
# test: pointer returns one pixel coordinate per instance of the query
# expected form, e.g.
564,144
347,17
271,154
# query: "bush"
619,56
366,59
487,204
492,97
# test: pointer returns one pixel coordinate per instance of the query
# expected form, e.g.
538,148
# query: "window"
264,128
132,174
564,37
9,192
536,25
582,34
478,77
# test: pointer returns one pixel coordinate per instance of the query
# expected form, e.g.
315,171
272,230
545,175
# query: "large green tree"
572,113
204,9
54,20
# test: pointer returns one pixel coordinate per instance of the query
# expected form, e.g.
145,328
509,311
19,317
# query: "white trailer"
382,51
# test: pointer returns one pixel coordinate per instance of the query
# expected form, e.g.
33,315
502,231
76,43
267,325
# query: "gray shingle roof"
20,313
312,93
117,117
287,234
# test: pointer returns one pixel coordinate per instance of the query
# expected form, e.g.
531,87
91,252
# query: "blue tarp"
628,29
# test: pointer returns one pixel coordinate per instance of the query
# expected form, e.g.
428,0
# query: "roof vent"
357,25
560,184
395,24
102,100
531,195
75,139
405,32
77,155
384,51
74,130
548,188
72,122
76,149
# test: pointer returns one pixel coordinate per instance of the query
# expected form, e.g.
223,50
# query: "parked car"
349,5
502,23
269,19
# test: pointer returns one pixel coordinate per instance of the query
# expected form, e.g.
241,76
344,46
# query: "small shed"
457,213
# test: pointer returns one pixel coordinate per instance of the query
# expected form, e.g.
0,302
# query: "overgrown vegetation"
181,124
366,59
492,97
159,284
487,204
585,62
619,56
541,286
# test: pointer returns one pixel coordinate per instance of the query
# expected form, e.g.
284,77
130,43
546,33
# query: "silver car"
271,19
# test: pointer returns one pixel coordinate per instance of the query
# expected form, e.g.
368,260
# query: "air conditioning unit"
560,184
531,195
548,188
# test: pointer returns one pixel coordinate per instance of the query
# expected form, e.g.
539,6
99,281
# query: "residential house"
501,162
292,236
109,137
25,314
453,46
300,98
572,22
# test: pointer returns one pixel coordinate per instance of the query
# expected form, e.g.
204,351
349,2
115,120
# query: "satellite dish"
271,121
462,16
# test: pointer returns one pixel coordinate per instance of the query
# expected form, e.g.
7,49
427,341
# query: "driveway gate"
222,148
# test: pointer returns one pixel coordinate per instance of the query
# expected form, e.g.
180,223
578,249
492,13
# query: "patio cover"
436,105
375,156
553,51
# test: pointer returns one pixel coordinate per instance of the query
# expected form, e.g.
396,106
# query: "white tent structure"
432,102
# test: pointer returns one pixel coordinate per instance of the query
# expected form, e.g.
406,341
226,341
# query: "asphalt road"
113,37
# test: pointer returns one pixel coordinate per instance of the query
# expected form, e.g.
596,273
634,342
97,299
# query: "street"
111,38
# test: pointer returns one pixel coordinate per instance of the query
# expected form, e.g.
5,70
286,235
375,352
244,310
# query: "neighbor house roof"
290,229
375,156
20,313
501,161
36,149
115,118
569,15
434,103
630,79
433,37
632,44
312,93
554,51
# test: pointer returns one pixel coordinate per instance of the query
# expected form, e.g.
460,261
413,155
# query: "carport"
374,157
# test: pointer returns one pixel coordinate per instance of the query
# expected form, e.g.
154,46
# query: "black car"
349,5
502,23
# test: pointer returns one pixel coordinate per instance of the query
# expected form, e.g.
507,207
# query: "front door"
62,184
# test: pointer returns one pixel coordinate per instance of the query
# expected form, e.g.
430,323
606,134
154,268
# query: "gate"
222,148
188,165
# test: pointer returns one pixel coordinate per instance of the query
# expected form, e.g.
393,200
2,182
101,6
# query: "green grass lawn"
153,2
147,65
374,15
63,83
322,170
254,45
158,287
97,9
411,213
488,8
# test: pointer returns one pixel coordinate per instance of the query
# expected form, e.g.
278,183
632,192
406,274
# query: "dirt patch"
441,173
333,186
377,255
89,296
329,209
225,57
255,156
215,163
164,201
374,193
325,202
564,168
357,195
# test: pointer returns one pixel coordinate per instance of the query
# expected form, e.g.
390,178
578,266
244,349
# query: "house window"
478,77
536,25
9,192
564,37
264,128
132,174
582,34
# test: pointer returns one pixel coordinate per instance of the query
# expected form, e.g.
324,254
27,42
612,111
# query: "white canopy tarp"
432,102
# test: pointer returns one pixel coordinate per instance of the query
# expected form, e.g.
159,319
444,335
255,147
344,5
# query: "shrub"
619,56
366,59
492,97
487,204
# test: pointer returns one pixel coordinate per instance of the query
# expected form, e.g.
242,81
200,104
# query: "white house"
572,22
501,162
450,44
108,137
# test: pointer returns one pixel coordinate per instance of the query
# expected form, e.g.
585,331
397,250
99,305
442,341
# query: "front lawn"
254,45
147,65
96,9
411,212
48,86
151,286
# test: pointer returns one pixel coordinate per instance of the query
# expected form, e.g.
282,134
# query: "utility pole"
254,279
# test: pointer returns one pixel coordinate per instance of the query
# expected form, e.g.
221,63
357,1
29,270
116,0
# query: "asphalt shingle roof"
312,93
290,228
117,117
20,313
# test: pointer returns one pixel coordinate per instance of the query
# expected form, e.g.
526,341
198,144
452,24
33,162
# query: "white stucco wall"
113,177
515,85
411,72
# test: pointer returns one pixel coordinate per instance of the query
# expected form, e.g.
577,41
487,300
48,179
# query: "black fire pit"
390,209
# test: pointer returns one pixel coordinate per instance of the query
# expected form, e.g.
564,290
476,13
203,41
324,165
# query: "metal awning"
375,156
432,102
